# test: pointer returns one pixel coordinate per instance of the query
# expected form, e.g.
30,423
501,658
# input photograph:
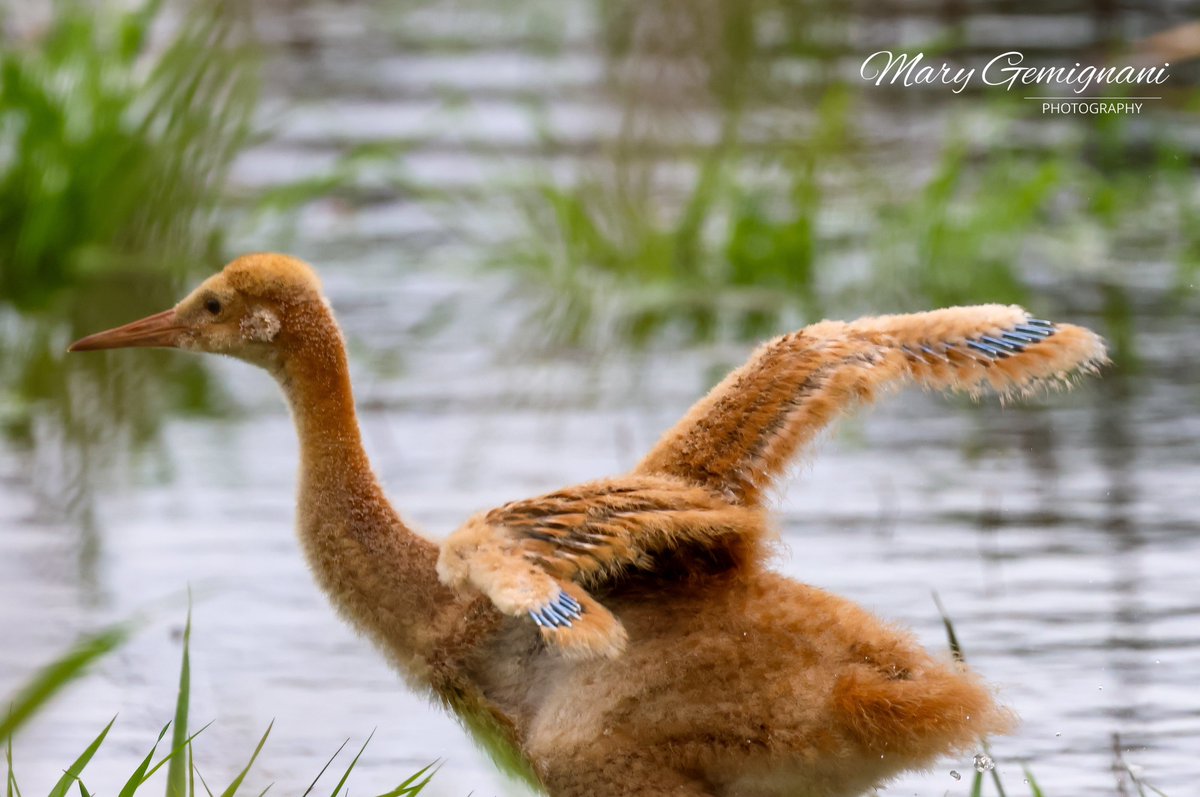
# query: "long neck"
378,573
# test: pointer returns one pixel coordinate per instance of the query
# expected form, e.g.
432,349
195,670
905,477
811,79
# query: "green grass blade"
54,677
409,791
167,757
139,774
135,26
952,638
237,782
203,782
1034,789
73,771
412,778
412,785
83,792
999,785
349,769
977,785
336,753
177,771
264,791
13,789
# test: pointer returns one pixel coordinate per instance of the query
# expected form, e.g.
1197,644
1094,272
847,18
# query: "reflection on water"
1062,536
114,146
75,418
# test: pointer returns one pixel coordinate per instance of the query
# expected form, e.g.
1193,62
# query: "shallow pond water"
1062,536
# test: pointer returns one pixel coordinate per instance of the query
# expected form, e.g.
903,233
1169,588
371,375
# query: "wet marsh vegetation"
178,764
115,165
546,231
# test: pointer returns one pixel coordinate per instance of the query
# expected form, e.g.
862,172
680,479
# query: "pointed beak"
159,329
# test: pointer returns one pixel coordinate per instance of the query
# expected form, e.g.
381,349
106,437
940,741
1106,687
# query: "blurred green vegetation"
782,217
992,223
182,772
610,236
114,157
627,252
745,191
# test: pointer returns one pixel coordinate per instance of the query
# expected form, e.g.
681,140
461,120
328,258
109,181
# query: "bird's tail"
921,716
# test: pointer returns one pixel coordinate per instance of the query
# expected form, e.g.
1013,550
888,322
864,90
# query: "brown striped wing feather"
545,557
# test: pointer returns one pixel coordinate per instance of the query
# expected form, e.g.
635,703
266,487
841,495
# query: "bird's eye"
213,306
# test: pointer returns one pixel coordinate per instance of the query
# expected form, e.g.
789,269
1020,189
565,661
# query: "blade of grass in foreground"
13,789
56,676
196,774
165,759
177,771
412,786
995,775
237,782
956,652
135,779
1034,789
349,769
204,783
336,753
72,773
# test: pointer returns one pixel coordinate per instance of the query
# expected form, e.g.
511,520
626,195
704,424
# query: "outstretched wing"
742,435
538,558
694,503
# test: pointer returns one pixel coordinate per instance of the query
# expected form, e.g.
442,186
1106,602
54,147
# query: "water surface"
1062,536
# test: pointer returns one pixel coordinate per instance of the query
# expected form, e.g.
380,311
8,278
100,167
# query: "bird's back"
560,557
759,685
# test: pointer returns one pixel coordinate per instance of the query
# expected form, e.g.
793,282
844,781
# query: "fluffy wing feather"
742,435
539,557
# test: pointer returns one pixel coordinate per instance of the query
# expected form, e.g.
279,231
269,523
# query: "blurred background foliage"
114,161
790,205
739,179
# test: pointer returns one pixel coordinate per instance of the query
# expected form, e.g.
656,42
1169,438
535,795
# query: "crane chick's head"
243,311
